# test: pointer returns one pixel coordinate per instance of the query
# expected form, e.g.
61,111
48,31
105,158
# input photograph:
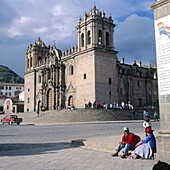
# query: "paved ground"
27,133
65,156
62,155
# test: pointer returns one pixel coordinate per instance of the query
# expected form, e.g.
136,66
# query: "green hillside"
8,76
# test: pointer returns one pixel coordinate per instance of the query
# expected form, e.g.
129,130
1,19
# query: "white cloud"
25,20
135,38
40,30
20,26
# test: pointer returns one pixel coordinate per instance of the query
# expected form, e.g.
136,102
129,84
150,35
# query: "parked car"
11,119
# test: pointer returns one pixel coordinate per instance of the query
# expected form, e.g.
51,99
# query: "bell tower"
95,30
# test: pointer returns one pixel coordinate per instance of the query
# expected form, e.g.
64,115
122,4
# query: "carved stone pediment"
71,88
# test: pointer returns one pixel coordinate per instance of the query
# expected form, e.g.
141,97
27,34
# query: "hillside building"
10,89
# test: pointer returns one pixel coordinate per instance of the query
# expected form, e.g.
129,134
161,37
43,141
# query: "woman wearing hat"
147,147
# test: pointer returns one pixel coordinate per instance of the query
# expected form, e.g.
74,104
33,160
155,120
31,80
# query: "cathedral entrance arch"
49,99
70,101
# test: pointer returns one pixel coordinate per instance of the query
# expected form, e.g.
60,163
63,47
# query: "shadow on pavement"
21,149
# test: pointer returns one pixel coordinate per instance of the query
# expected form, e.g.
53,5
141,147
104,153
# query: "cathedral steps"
79,115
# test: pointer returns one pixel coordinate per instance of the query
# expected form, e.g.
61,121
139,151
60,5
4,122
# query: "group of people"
95,105
141,148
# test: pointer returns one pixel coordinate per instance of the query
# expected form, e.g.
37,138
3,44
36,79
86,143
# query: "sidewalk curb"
91,122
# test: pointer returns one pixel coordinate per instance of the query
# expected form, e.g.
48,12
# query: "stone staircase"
79,115
104,144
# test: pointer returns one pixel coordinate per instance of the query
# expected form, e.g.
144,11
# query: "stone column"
54,86
161,20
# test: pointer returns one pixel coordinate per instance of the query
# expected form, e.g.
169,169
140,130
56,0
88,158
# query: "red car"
11,119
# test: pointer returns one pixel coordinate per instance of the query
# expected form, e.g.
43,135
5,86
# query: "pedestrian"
146,148
94,104
133,114
89,104
97,105
37,113
147,122
155,116
129,140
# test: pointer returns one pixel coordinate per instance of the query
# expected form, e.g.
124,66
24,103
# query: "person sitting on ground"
146,148
129,140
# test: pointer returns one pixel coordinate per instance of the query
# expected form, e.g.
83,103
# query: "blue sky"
23,21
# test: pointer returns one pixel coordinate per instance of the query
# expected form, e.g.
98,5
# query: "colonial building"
14,104
87,72
10,89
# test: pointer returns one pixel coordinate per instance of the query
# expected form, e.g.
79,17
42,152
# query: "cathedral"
89,71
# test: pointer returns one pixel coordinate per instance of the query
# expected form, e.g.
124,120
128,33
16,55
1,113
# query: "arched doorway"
70,101
49,99
39,106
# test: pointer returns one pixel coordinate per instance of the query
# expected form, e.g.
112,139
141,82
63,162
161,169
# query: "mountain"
9,76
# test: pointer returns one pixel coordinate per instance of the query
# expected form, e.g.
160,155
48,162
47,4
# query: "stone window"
71,70
100,37
28,89
27,62
128,72
138,83
121,92
82,39
1,93
110,80
88,37
39,60
123,71
6,94
31,62
140,102
28,100
84,76
6,87
39,79
107,38
9,93
110,95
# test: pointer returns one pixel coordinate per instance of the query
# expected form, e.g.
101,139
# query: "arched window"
123,71
110,80
100,37
39,60
107,38
82,39
39,79
71,70
27,62
88,38
121,92
138,83
110,95
31,62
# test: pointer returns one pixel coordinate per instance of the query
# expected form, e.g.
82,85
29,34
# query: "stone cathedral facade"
90,71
